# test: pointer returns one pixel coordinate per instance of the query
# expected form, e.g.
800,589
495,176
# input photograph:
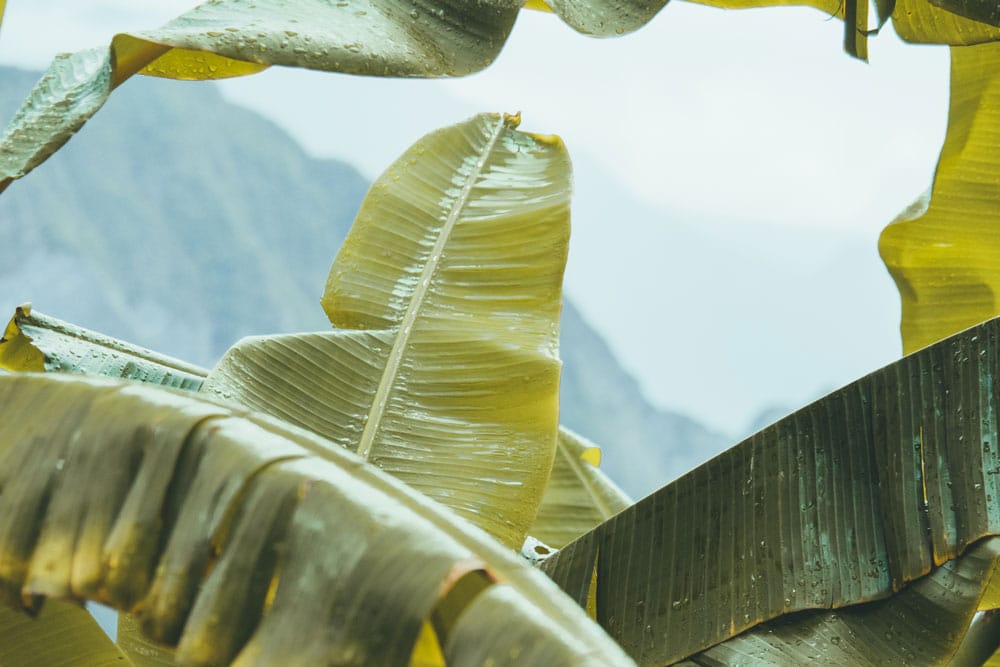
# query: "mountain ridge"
187,222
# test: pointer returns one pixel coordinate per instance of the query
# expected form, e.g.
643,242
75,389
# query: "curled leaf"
445,372
239,538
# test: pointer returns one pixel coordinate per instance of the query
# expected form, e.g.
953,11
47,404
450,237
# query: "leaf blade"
942,252
229,38
61,635
36,342
328,487
843,502
579,496
449,289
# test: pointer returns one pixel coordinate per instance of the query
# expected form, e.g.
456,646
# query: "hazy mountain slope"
172,219
182,222
643,447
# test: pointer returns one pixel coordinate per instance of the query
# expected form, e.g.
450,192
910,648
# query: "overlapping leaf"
844,502
945,254
236,536
236,37
579,496
606,18
226,38
63,634
923,624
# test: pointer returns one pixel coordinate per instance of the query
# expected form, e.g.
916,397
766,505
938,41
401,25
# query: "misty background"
733,170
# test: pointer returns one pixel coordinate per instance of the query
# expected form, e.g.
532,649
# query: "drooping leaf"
237,536
924,624
579,496
229,38
945,254
843,502
63,634
445,372
607,18
34,342
226,38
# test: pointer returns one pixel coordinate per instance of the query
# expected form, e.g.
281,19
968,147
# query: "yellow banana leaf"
62,634
448,289
924,624
980,642
945,254
955,22
579,496
140,649
234,536
844,502
37,342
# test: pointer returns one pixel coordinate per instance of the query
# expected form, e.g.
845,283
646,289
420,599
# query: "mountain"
182,222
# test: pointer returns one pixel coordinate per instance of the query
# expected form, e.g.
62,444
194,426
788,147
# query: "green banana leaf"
445,372
61,634
227,38
923,624
34,342
232,38
607,18
944,254
844,502
235,536
578,497
142,651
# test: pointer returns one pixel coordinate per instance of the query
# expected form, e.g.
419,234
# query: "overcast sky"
733,171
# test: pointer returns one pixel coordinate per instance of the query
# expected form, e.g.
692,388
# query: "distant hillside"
182,222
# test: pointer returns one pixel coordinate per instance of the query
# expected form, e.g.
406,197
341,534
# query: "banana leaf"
944,253
983,11
227,38
937,22
924,624
846,501
237,537
445,372
62,634
980,642
578,497
37,342
607,18
233,38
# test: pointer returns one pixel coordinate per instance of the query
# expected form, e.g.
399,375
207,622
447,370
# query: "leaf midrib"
405,325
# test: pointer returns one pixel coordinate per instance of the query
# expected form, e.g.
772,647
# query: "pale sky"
733,171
